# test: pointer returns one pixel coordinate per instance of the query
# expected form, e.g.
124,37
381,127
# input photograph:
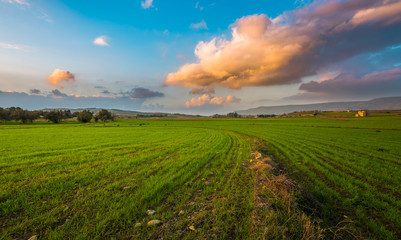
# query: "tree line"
55,116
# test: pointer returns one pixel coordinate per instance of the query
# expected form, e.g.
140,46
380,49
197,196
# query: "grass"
92,181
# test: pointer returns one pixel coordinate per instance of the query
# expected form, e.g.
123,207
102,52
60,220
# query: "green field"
90,181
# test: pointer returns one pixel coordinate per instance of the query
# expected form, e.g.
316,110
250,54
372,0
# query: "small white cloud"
101,41
200,25
147,4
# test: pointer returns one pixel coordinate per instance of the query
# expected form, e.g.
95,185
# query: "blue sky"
152,45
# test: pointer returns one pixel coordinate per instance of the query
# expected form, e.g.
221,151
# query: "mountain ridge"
385,103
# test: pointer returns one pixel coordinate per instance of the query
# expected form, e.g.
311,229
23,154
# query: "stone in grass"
154,222
192,228
34,237
150,212
138,224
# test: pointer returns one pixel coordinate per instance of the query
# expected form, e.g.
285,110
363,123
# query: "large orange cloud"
58,76
267,52
206,99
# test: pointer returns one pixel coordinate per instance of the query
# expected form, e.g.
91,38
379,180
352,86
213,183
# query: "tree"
54,116
31,115
68,114
4,114
15,113
18,114
104,116
233,115
85,116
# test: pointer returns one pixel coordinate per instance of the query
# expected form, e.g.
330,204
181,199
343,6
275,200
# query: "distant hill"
127,113
96,110
387,103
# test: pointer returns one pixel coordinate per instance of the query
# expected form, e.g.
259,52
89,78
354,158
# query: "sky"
197,56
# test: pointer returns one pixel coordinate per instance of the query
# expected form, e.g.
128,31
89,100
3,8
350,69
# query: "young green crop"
96,181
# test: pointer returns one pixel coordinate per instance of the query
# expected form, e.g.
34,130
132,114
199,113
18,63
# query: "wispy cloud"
166,33
202,90
206,99
200,25
44,16
296,44
59,76
101,41
20,2
197,6
182,57
11,46
147,4
17,47
34,10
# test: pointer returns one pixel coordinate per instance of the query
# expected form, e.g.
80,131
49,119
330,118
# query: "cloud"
141,93
328,76
181,57
101,41
351,86
119,81
57,99
296,44
60,76
378,14
10,46
198,6
349,83
16,47
147,4
206,99
106,92
20,2
34,91
200,25
202,90
57,94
